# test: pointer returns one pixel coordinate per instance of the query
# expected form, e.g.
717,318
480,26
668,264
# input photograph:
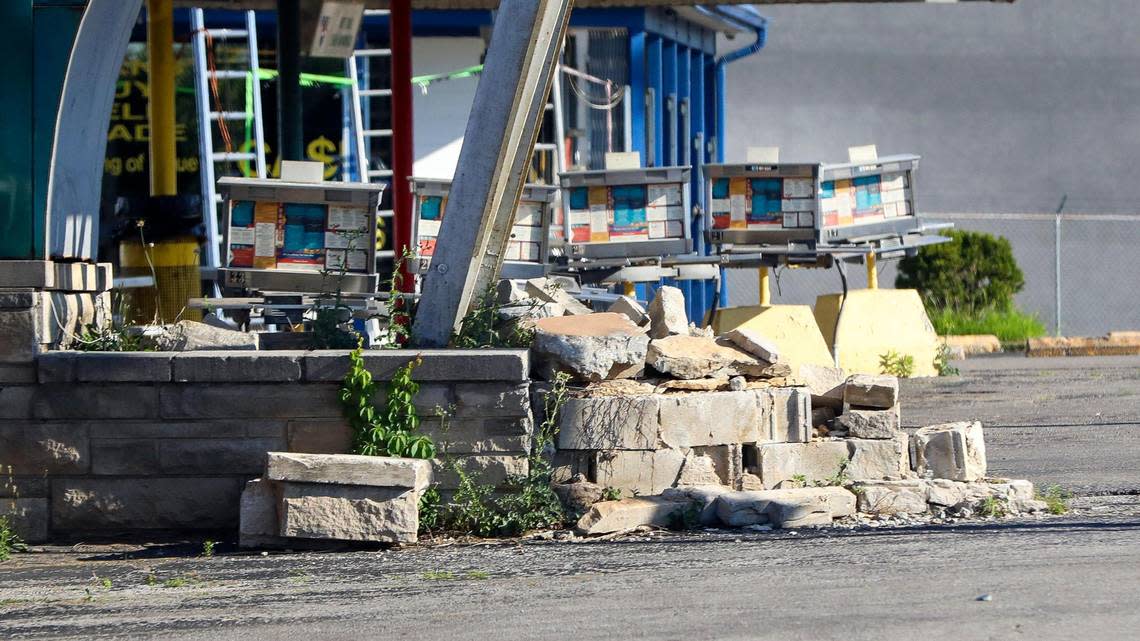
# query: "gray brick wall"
134,442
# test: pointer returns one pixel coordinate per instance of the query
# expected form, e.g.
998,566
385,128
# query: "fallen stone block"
704,496
615,516
631,309
590,348
882,424
187,335
348,512
754,343
817,462
348,469
578,495
954,451
871,391
544,289
667,315
258,515
691,357
826,384
792,507
609,423
891,497
885,459
1014,496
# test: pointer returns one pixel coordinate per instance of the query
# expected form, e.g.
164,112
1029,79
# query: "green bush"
1008,326
974,271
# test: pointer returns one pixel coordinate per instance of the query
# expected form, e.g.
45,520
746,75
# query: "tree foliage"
972,272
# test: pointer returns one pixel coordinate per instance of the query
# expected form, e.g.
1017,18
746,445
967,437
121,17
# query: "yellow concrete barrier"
791,327
874,322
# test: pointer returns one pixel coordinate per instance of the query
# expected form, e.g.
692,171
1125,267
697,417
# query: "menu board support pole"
765,287
497,147
872,272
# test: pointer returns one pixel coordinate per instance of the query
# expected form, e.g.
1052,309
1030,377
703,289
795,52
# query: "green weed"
439,575
611,494
895,364
1008,325
208,548
942,361
993,507
1056,498
9,541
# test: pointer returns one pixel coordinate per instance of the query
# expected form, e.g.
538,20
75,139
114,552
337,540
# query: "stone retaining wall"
127,442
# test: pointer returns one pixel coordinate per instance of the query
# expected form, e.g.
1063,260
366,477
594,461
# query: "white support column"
497,148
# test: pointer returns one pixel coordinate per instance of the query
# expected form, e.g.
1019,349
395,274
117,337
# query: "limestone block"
319,436
609,423
754,343
545,290
693,357
489,469
892,497
791,415
480,436
955,451
704,496
122,456
701,469
631,309
245,456
255,400
615,516
187,335
44,449
792,507
883,424
258,520
871,391
578,495
220,367
710,418
667,315
826,384
886,459
182,503
444,365
638,471
348,512
69,401
28,517
347,469
483,400
592,348
816,461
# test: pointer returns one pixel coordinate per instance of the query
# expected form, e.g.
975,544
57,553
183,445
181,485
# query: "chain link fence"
1082,271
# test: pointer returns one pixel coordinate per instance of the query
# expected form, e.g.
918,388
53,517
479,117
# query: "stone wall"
106,443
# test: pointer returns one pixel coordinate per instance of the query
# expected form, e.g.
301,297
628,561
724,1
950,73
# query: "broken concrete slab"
631,309
870,423
785,508
790,416
593,348
891,497
817,462
550,291
667,315
826,384
754,343
187,335
578,495
348,512
349,469
1014,496
691,357
871,391
704,496
886,459
700,469
954,451
616,516
258,515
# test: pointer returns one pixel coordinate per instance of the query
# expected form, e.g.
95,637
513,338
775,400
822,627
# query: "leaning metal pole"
497,147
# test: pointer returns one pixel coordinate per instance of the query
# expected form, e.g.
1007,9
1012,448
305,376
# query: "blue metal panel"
669,102
653,53
637,86
21,223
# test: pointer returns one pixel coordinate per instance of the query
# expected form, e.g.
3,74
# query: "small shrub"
9,541
611,494
993,507
974,271
840,478
942,361
208,548
686,519
483,327
393,432
901,366
1056,499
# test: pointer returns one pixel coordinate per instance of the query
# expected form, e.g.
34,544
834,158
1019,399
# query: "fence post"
1057,273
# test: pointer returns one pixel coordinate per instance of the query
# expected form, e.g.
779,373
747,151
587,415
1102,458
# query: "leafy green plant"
895,364
208,548
431,515
800,480
974,271
611,494
483,325
1056,499
108,338
393,431
840,478
400,308
1008,325
686,519
9,541
328,321
439,575
993,507
942,361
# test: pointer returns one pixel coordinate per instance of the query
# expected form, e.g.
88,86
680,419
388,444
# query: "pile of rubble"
715,430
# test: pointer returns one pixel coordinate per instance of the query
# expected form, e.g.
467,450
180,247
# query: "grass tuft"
1008,326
